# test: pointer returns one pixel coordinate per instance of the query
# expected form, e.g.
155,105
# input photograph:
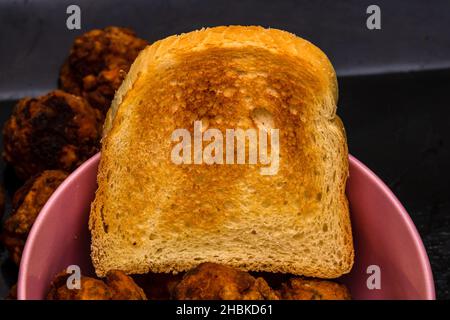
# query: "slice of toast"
151,214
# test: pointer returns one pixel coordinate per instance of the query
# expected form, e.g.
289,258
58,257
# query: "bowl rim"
423,256
30,242
430,292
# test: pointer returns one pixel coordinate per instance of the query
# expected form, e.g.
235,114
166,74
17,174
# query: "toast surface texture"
150,214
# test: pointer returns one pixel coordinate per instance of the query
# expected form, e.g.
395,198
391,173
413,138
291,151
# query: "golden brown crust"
221,76
274,40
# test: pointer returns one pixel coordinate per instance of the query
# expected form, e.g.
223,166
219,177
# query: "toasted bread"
151,214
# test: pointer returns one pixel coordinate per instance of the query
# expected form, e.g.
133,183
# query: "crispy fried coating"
98,62
211,281
55,131
208,281
26,205
90,289
260,290
123,287
158,286
313,289
117,286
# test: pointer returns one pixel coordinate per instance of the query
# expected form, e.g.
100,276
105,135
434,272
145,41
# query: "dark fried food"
118,286
208,281
2,201
158,286
123,287
260,290
211,281
90,289
312,289
98,62
55,131
26,205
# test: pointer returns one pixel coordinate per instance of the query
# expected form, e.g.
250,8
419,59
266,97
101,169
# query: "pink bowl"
384,235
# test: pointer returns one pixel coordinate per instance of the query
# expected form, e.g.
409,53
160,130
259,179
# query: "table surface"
398,125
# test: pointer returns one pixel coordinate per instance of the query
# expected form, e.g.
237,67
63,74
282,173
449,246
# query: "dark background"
394,83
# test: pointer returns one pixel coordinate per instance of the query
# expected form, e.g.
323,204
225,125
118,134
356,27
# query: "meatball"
98,62
117,286
26,205
123,287
312,289
158,286
210,281
55,131
90,289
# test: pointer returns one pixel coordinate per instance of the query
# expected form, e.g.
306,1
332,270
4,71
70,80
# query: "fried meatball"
117,286
55,131
98,62
27,202
313,289
211,281
90,289
123,287
157,286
